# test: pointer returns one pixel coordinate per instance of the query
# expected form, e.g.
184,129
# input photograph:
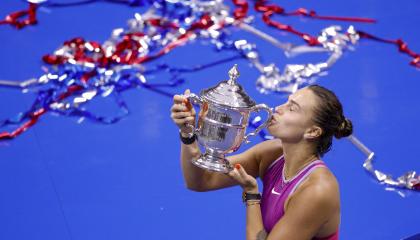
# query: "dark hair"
328,115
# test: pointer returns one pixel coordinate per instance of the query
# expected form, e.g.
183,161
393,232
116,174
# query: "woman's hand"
182,112
246,181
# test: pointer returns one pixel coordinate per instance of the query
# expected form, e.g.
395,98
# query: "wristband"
187,140
250,196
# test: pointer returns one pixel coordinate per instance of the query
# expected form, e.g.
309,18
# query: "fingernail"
238,166
188,104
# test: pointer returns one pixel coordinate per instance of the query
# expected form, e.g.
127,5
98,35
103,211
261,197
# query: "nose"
279,109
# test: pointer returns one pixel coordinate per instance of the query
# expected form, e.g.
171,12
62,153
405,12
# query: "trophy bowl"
222,122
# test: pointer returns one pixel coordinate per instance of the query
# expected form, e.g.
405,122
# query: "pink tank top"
276,190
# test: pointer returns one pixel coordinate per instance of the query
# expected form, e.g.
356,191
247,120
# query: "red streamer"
37,114
269,10
14,18
242,9
312,14
78,46
204,23
402,47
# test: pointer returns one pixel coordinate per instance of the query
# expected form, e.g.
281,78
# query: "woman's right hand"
183,113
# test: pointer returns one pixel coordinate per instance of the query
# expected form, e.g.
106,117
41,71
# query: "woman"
300,198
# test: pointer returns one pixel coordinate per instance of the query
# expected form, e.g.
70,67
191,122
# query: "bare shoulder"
323,179
321,187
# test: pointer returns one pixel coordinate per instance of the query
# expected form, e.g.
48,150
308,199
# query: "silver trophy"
222,121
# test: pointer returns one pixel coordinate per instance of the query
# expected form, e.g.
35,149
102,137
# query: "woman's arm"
310,207
254,223
254,160
198,179
307,211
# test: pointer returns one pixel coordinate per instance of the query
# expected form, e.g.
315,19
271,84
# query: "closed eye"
292,106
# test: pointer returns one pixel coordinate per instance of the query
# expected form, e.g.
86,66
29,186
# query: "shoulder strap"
315,165
274,162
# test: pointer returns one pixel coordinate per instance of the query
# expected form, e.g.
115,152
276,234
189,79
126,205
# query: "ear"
313,132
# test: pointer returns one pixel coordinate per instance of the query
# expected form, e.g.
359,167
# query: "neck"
296,157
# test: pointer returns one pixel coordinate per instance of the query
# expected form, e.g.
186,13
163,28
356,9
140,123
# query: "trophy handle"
258,108
194,99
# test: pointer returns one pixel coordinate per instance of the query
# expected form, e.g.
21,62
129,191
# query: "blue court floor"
67,179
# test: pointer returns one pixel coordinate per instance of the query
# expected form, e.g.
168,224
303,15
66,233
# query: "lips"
272,120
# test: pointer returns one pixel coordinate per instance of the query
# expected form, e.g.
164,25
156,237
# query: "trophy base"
213,162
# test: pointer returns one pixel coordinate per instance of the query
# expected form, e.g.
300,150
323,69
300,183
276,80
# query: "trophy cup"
222,121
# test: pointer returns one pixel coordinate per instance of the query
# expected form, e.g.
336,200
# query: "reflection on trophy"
222,121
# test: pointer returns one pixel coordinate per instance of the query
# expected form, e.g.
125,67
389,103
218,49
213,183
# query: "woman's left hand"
247,182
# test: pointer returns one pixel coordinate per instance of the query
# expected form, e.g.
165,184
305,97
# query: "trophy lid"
229,93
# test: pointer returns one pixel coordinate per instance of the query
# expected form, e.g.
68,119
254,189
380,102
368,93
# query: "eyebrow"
294,102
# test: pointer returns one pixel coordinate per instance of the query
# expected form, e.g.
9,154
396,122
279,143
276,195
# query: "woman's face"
293,119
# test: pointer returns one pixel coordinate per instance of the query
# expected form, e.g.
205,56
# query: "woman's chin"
272,129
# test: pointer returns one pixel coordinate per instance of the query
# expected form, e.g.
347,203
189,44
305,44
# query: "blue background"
67,180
